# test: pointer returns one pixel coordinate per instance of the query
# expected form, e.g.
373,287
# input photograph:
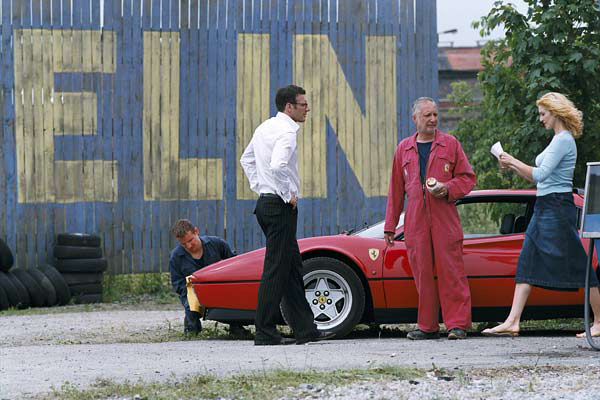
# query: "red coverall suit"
432,230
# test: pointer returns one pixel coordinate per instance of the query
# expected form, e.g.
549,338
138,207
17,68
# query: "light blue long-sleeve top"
554,167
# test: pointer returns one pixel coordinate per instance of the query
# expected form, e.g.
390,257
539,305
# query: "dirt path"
38,352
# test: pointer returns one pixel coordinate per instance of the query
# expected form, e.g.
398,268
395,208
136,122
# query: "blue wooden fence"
120,116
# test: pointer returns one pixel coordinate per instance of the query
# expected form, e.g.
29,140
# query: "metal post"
586,303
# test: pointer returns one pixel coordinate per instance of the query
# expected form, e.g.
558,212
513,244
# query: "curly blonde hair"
562,108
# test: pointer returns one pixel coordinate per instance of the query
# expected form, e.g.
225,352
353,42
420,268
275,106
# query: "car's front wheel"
335,294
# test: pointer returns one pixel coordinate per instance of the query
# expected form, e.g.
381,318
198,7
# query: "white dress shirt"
271,159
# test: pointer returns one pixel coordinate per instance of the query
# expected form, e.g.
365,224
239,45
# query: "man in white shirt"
271,164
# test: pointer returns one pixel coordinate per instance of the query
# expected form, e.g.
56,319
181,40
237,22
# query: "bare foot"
595,330
504,329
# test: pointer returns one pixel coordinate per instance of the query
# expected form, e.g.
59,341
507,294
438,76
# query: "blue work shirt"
182,264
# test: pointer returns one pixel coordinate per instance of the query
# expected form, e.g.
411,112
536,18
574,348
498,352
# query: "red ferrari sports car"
353,277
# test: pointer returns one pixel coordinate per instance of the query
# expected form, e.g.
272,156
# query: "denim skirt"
553,256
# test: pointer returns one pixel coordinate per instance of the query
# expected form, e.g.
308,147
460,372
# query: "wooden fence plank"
89,122
23,122
166,169
130,178
75,140
230,159
118,109
136,93
106,96
155,126
48,227
10,126
148,258
328,17
5,95
101,78
222,112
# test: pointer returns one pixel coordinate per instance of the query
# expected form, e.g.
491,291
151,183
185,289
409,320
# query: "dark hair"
287,95
181,227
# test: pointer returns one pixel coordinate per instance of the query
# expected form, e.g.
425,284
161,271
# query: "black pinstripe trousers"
281,280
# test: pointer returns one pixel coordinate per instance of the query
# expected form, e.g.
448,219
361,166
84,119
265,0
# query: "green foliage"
130,288
555,46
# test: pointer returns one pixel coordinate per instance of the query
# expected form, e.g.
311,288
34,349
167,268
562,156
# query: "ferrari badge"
373,254
447,168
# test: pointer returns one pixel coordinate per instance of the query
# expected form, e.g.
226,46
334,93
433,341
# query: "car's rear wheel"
335,294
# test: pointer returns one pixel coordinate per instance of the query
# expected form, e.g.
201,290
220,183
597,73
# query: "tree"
555,46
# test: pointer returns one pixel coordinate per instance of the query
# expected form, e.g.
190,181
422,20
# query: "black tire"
6,257
342,286
63,295
86,288
36,293
78,239
11,291
4,304
74,278
22,292
46,285
71,252
82,265
88,298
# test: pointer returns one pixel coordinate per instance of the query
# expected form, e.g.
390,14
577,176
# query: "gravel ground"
38,352
537,383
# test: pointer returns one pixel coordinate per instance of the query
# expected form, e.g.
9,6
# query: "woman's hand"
506,160
522,169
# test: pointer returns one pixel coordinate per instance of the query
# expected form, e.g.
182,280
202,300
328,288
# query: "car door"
494,229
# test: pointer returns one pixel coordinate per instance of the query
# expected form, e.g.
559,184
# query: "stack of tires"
33,287
79,260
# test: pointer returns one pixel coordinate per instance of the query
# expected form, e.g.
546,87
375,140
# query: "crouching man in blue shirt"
193,253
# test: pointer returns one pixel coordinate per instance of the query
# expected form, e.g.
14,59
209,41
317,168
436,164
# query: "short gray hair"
419,101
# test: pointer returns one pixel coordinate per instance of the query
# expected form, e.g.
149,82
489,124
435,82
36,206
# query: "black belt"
270,195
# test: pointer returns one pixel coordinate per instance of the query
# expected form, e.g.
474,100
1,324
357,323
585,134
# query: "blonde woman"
552,256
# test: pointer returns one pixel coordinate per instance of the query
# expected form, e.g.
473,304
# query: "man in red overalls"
432,230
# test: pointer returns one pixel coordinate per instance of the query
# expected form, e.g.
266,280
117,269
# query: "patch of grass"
562,324
133,288
261,385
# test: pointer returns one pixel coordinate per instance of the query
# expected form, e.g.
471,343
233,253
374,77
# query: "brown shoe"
457,334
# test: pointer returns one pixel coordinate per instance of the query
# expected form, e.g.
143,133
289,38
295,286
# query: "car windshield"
375,231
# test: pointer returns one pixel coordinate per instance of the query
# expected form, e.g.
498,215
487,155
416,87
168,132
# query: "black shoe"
457,334
420,335
192,332
191,327
238,331
282,341
321,335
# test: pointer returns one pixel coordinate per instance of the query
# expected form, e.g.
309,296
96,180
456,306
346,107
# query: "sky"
459,14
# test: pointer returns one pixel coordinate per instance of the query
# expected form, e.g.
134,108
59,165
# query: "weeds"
133,288
261,385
